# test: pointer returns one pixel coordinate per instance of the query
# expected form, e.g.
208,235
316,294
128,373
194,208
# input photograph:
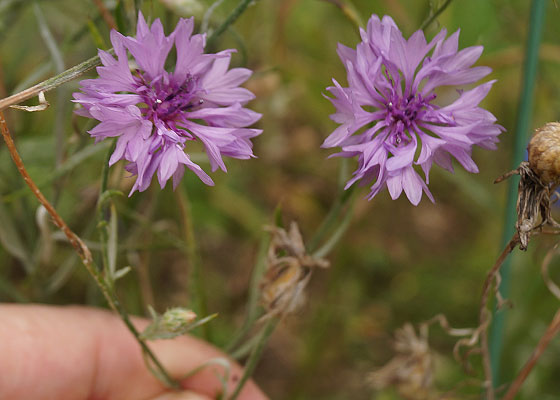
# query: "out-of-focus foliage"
397,263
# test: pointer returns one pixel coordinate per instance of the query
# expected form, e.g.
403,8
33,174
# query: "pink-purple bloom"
388,114
156,113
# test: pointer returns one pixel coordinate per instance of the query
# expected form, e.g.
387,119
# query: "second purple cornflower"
156,114
388,114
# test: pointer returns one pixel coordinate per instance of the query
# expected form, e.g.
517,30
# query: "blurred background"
397,263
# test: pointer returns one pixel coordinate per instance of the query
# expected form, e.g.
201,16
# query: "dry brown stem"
551,331
484,314
75,241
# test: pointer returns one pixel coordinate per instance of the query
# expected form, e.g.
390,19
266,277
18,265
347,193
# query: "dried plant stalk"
551,331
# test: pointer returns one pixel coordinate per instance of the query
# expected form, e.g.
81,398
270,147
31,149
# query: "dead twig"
484,314
549,334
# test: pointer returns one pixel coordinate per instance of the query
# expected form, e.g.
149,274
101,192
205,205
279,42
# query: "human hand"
79,353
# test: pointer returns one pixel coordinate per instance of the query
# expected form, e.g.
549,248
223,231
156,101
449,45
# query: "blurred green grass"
397,262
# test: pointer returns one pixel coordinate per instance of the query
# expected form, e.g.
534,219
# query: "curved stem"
84,254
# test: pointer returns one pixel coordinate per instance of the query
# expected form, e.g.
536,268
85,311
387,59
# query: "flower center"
402,112
165,101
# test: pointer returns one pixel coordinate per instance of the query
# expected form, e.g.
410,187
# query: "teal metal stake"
536,23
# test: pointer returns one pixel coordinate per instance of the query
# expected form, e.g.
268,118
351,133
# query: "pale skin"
79,353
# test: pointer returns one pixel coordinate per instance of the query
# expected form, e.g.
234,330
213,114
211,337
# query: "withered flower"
539,178
411,370
289,269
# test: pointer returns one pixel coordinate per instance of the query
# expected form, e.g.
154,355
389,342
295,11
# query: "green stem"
101,220
536,24
115,304
332,217
105,168
254,295
236,13
52,83
193,255
433,15
255,355
338,233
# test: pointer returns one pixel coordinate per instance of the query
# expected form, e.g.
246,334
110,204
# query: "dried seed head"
289,269
544,153
411,370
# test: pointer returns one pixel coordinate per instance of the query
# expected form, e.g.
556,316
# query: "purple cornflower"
388,116
156,113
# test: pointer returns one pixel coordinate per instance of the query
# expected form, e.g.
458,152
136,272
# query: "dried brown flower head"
544,153
411,370
289,269
539,177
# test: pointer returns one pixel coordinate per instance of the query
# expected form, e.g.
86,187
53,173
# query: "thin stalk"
101,220
255,356
236,13
84,254
105,168
339,231
549,334
332,217
484,318
196,281
524,112
433,15
51,83
254,295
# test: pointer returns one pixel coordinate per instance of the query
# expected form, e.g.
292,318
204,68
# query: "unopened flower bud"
544,153
177,319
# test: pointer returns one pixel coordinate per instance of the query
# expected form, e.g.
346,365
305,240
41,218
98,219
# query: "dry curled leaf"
43,105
